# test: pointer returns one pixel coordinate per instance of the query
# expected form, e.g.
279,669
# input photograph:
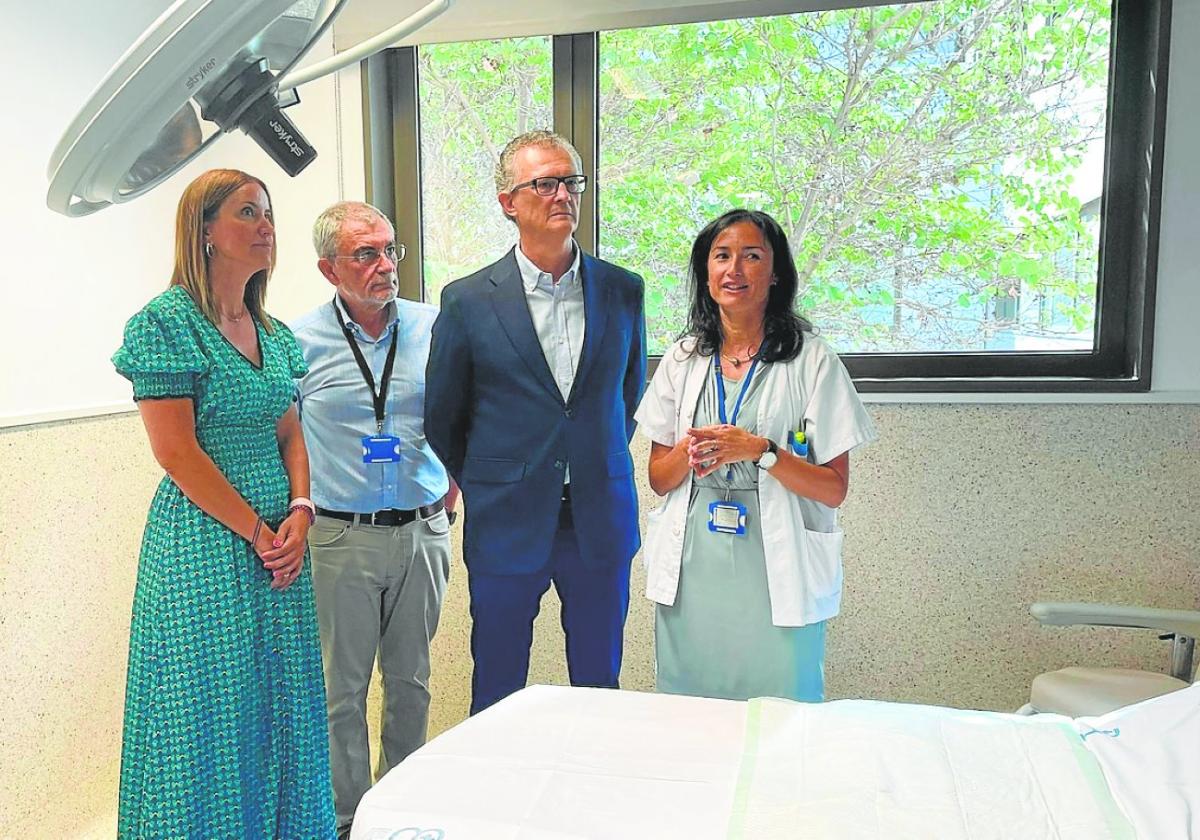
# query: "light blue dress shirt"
557,312
558,317
336,411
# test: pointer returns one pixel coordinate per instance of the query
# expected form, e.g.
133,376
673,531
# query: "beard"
393,288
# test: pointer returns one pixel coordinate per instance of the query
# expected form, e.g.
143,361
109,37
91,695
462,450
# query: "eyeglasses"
547,186
370,256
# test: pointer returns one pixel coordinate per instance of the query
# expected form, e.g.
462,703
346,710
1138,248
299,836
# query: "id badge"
727,518
381,449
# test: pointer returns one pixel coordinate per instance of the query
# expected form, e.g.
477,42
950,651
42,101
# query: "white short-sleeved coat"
803,543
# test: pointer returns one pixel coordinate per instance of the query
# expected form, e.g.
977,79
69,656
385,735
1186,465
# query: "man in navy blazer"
536,367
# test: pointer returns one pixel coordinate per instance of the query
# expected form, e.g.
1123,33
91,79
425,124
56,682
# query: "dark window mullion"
391,133
576,116
1137,129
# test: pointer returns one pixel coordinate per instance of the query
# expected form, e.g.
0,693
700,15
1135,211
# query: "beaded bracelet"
312,516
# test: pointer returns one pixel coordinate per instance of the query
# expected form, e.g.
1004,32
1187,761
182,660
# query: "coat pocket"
492,470
824,566
619,464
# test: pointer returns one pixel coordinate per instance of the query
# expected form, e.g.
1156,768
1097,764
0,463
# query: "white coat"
801,537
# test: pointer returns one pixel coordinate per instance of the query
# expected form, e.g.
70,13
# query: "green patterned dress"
225,727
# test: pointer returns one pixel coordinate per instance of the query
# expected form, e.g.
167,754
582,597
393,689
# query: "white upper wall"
1176,364
72,283
471,20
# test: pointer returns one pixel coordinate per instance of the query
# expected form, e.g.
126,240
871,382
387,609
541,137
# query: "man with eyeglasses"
380,542
536,368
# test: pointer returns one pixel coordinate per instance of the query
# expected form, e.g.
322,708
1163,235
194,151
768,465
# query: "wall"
74,495
1176,339
92,273
943,557
958,518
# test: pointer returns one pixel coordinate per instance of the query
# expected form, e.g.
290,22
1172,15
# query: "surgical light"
204,68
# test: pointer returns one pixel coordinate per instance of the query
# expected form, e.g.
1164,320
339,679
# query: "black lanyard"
378,399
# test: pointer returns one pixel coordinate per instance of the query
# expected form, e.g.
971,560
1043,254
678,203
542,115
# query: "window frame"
1129,214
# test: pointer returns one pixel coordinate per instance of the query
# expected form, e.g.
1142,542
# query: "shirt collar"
393,317
532,276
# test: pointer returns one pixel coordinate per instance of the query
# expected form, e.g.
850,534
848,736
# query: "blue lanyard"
721,391
737,405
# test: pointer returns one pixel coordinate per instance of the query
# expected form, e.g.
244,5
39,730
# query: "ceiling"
469,20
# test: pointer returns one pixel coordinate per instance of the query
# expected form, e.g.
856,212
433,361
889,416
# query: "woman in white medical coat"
744,554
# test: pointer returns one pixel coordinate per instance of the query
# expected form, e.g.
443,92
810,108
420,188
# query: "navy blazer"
496,419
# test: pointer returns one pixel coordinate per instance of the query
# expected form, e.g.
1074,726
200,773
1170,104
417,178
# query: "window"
474,96
970,187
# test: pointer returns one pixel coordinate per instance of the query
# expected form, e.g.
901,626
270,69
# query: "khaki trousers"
379,591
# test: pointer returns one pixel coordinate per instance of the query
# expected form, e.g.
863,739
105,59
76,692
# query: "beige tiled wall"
957,519
73,500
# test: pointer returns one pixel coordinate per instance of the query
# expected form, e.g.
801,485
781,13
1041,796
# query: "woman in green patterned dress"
225,728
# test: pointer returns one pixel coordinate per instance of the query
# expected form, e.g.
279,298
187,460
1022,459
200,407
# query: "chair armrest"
1181,622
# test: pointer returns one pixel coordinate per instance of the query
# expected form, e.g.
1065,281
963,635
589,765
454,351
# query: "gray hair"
504,166
328,225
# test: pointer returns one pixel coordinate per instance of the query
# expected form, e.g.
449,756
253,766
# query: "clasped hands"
711,447
282,551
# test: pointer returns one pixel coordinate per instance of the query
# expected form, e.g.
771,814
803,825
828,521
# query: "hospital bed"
554,763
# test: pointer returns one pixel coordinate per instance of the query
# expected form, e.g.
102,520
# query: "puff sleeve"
297,367
161,354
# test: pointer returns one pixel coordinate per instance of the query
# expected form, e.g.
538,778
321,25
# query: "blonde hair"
504,174
198,206
328,226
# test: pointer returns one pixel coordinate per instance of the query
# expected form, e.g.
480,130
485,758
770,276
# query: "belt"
566,522
390,518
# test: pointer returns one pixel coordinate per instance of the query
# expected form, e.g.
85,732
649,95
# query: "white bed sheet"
868,769
1150,753
553,763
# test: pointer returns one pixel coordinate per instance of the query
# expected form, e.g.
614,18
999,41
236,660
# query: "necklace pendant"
737,363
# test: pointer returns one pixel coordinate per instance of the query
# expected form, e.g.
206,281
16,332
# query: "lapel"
595,316
512,310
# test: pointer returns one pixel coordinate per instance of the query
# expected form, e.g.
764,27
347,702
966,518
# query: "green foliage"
902,148
927,161
474,97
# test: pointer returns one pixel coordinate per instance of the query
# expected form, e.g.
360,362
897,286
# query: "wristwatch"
769,458
451,515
